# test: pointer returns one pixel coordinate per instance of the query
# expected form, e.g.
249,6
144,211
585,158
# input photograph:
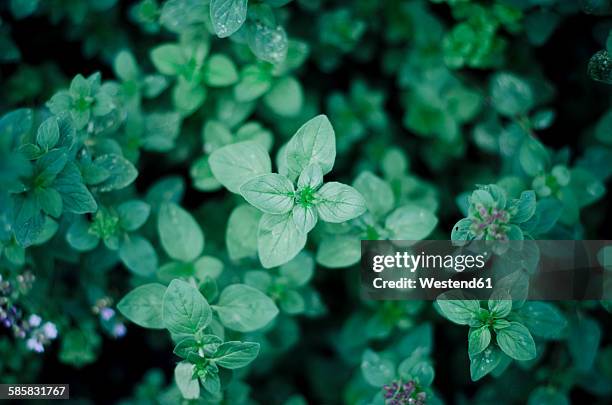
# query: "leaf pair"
183,310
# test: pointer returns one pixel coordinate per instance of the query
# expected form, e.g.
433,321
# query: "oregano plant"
186,187
293,200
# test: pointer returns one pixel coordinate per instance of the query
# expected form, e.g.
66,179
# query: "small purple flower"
34,320
107,313
398,393
34,345
119,330
49,330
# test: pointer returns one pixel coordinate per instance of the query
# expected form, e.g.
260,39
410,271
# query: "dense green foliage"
208,168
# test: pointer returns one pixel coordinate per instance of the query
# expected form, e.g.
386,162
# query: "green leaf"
138,255
510,94
587,188
394,163
548,211
516,342
168,59
410,222
583,341
29,221
203,178
153,85
533,157
122,172
241,234
216,135
75,196
51,164
167,189
187,346
259,279
377,193
232,355
125,66
292,302
220,71
484,362
478,340
184,310
337,202
161,130
253,131
211,382
48,133
16,123
268,42
313,143
500,303
305,218
172,270
298,271
311,176
272,193
525,207
285,98
79,348
133,214
423,374
208,267
233,165
376,370
456,308
462,230
181,15
185,380
50,201
23,8
244,309
227,16
278,239
179,233
337,251
547,396
599,66
79,237
143,305
255,80
188,97
543,319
